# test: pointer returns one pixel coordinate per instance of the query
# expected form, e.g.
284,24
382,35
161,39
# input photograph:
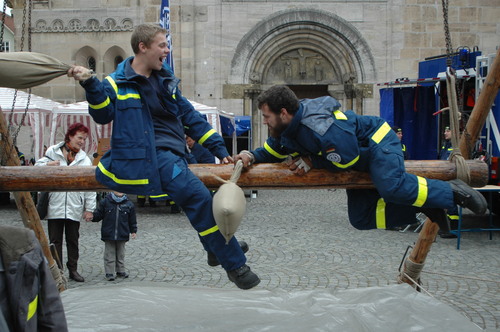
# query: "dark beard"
278,130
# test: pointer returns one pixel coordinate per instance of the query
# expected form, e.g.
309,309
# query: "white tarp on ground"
154,307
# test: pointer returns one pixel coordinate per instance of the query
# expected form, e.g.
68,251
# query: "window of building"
91,63
118,59
5,46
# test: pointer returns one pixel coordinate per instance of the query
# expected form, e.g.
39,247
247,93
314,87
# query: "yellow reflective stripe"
381,132
129,95
295,154
422,192
339,165
101,105
274,153
32,308
209,231
158,196
206,136
121,97
453,217
113,83
339,115
174,96
380,214
121,181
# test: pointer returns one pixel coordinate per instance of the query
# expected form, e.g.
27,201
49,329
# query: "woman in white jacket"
67,209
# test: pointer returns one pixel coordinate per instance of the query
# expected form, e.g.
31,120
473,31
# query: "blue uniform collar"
124,71
292,128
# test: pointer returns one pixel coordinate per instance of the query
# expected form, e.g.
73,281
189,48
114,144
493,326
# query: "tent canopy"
57,117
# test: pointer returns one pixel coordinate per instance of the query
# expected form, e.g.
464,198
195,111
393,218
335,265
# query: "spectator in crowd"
67,209
119,223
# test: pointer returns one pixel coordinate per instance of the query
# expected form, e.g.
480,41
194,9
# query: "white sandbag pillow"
229,204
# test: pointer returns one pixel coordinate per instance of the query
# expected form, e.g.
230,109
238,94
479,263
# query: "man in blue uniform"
319,135
446,148
147,157
399,133
444,154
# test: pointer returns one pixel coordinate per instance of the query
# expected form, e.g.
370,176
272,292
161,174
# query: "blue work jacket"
334,140
131,165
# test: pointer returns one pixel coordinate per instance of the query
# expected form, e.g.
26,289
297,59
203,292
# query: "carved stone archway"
300,47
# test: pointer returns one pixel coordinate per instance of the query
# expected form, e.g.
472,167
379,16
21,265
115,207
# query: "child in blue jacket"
119,220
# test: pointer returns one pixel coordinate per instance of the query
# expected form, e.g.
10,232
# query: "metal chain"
3,23
27,6
449,48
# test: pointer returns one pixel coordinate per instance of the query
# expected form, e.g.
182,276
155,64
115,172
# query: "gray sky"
1,7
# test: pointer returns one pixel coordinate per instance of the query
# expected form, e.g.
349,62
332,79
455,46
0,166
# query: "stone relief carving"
301,56
255,78
109,23
92,25
41,25
75,24
301,66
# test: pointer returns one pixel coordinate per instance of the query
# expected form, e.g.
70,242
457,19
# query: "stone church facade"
227,51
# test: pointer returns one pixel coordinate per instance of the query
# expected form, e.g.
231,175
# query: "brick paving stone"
301,240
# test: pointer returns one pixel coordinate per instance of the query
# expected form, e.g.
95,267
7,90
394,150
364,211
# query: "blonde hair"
144,33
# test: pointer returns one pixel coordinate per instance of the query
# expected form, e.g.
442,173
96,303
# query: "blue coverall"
341,141
148,147
444,154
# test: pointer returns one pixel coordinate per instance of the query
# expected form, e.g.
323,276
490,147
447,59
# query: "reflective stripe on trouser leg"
396,186
195,199
380,215
367,210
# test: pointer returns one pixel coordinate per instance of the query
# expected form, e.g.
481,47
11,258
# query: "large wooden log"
259,176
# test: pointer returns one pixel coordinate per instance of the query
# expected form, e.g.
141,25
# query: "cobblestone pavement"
302,240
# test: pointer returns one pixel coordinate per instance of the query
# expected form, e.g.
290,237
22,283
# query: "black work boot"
141,201
437,216
243,277
212,259
467,197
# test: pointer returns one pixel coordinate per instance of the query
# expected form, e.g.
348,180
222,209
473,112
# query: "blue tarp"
411,109
243,124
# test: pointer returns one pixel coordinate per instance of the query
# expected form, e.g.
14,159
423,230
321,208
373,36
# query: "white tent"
57,117
28,110
65,115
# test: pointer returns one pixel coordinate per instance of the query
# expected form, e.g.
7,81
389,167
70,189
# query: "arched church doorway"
314,52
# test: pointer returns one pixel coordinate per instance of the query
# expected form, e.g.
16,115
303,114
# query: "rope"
411,270
238,168
59,278
463,171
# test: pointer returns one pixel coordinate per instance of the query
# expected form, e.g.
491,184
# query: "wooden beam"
259,176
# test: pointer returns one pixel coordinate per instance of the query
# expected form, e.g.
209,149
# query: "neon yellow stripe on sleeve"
206,136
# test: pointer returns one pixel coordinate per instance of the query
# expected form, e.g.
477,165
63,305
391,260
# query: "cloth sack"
229,204
42,204
23,70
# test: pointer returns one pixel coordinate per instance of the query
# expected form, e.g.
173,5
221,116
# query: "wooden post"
473,128
24,201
